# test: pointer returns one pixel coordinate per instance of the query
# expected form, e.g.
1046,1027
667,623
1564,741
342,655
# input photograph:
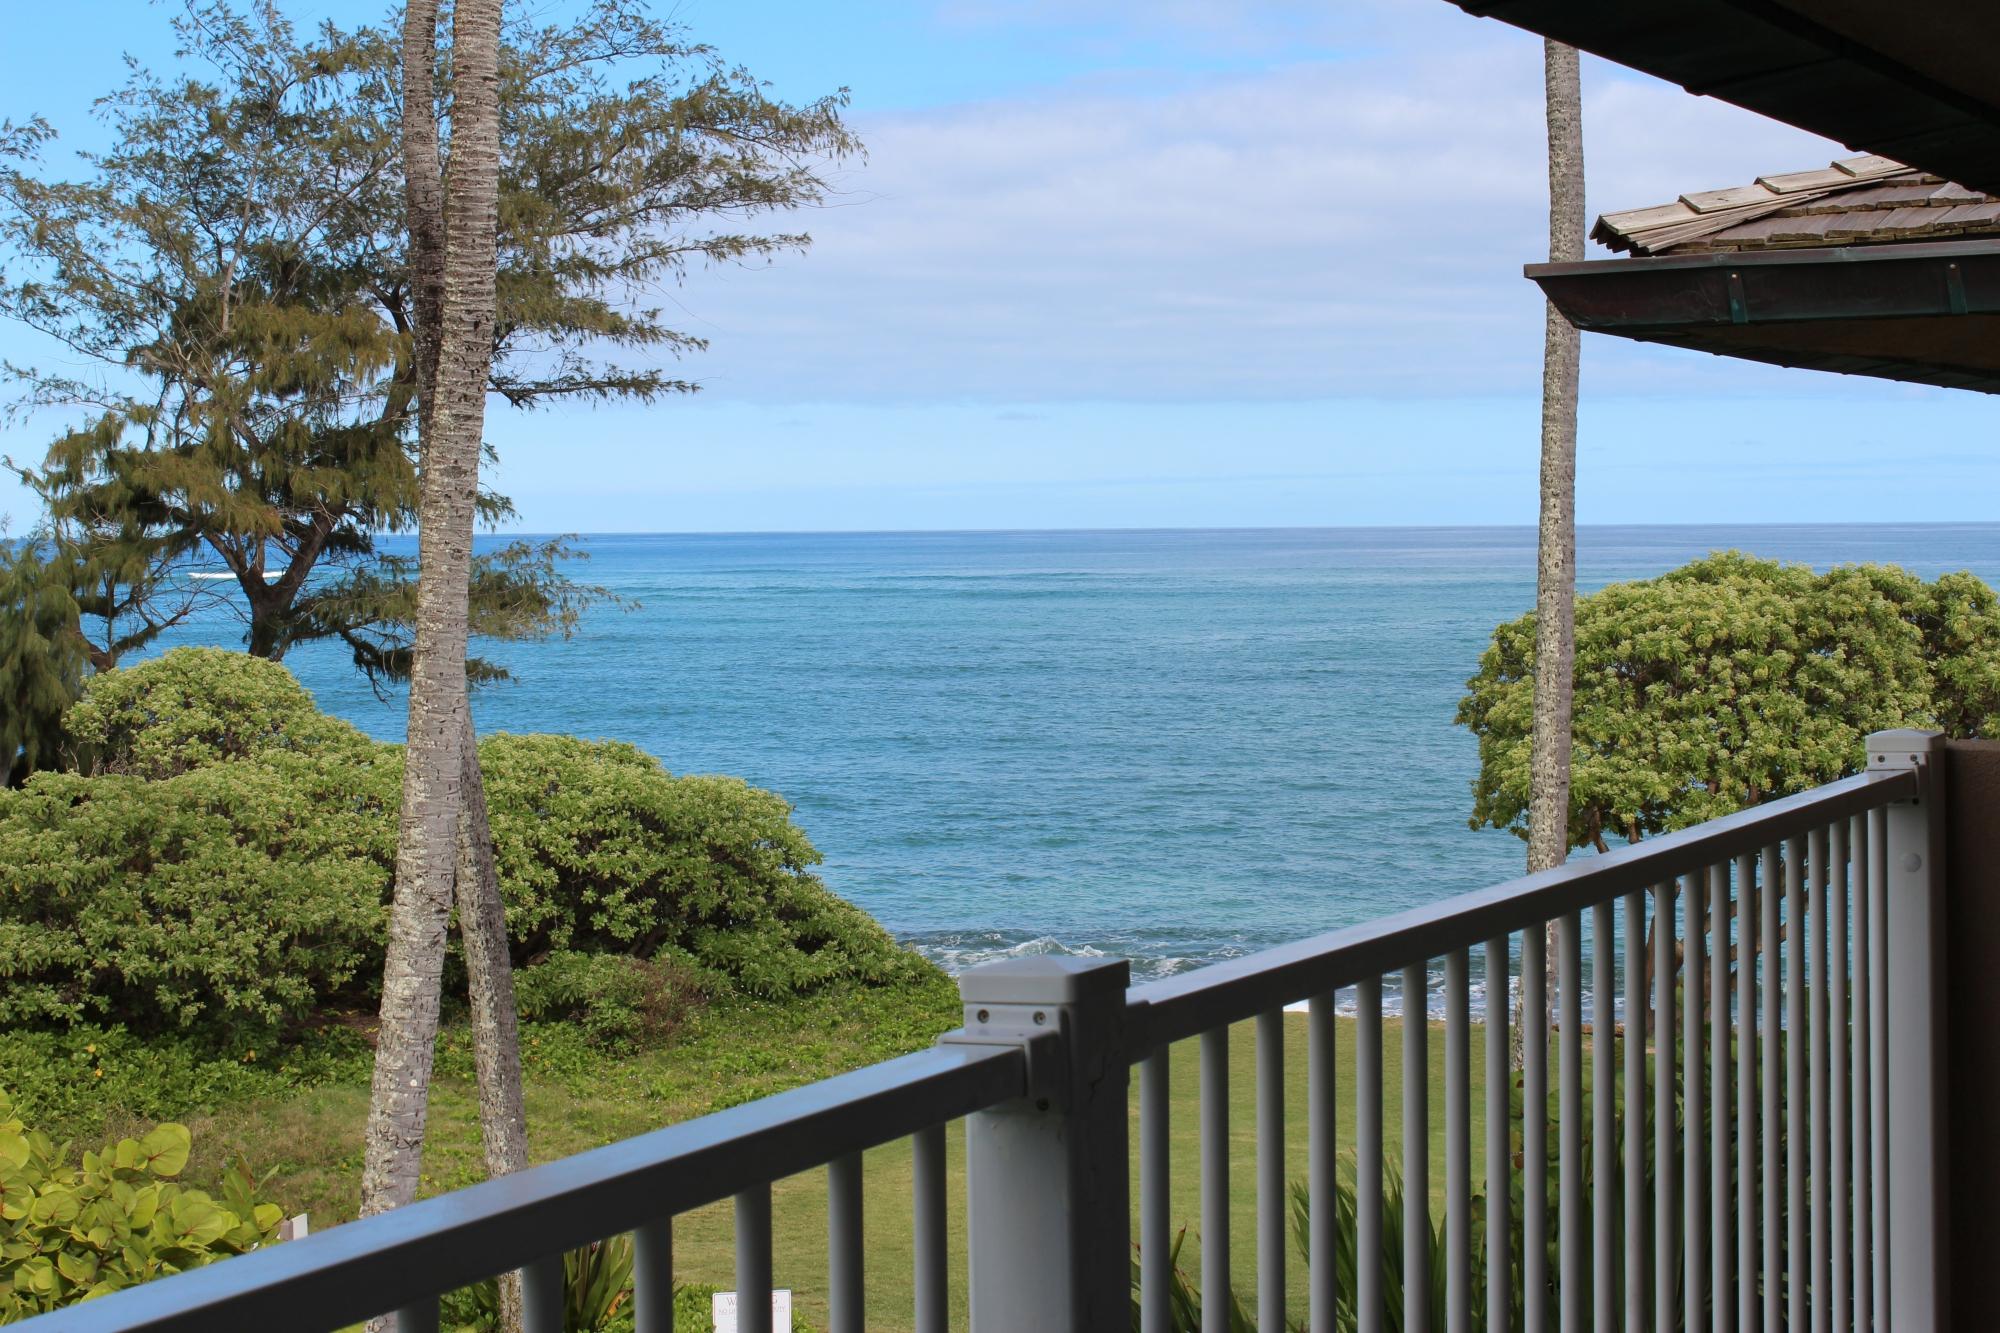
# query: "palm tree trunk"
496,1035
449,431
428,838
482,924
482,921
1555,563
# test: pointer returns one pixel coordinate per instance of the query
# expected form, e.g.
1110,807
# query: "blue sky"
1179,263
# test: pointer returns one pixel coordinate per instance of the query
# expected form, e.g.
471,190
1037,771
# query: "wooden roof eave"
1924,313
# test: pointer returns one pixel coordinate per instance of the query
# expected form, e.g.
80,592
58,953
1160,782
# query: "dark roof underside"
1912,79
1928,314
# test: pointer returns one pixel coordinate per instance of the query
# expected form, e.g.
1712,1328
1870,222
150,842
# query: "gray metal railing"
1798,940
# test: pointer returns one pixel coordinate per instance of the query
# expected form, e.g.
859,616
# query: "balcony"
1738,1094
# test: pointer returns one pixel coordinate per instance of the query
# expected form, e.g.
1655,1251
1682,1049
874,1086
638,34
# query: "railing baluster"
1666,1220
1746,1093
1722,1299
1816,1182
1271,1239
1635,1113
1324,1149
1770,1112
1878,1074
1457,1144
1836,1071
653,1280
1534,1131
1570,1224
1774,1131
1215,1274
1499,1143
1603,1146
753,1260
844,1248
1694,1097
1796,1128
542,1295
1861,1080
420,1316
1370,1296
1155,1269
1416,1151
933,1287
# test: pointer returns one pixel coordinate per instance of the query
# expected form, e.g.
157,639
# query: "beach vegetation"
224,862
1730,681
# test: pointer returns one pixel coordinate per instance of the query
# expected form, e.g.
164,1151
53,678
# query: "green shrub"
194,707
68,1233
239,895
225,867
602,850
1730,681
618,1000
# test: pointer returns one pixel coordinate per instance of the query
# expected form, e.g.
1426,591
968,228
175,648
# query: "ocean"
1172,746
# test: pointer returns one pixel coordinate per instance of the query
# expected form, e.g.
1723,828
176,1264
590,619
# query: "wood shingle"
1867,200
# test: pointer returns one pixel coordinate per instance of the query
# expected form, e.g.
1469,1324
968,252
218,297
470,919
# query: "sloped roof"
1867,200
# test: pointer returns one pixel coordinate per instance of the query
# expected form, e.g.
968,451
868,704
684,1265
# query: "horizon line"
1232,528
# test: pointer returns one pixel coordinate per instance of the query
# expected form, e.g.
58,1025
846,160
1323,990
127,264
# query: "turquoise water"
1173,746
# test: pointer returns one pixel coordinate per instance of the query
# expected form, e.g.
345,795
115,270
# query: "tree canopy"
227,290
232,274
1730,681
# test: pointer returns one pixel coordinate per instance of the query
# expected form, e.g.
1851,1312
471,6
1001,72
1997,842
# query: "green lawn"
309,1139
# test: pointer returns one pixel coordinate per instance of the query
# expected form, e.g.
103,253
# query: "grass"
308,1139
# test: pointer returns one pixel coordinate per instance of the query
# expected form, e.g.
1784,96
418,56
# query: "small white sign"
723,1311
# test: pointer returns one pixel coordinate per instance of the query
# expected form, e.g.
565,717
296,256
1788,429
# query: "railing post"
1046,1177
1917,1240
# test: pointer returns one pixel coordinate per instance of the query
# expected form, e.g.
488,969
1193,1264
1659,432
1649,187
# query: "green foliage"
227,869
597,1288
240,894
1730,681
1184,1297
618,1000
597,1297
80,1079
195,707
68,1233
41,662
601,850
230,274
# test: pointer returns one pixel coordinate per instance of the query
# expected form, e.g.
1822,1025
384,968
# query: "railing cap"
1045,980
1900,747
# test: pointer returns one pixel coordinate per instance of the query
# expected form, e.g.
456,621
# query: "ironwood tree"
41,662
233,275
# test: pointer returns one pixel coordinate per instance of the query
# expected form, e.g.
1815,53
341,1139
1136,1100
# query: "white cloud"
1313,229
